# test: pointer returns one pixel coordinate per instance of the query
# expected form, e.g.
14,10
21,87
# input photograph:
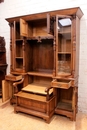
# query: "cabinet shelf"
19,63
18,69
40,37
18,40
64,52
36,37
43,74
63,73
19,58
66,32
64,106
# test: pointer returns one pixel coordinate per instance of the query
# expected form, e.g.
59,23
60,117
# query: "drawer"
13,77
65,84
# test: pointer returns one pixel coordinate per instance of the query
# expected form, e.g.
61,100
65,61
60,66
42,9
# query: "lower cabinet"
41,99
66,103
7,87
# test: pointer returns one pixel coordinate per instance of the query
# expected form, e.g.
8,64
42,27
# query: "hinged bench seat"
37,89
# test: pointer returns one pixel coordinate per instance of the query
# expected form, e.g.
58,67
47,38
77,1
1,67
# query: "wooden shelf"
40,37
19,57
64,52
43,74
19,68
37,37
64,106
19,40
66,32
64,73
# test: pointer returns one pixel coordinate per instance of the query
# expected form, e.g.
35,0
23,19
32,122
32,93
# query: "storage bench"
32,100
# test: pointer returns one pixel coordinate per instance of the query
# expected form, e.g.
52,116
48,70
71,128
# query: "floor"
12,121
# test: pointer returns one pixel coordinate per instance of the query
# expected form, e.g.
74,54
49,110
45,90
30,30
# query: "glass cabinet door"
64,45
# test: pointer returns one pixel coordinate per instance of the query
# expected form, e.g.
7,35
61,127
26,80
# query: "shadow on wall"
1,1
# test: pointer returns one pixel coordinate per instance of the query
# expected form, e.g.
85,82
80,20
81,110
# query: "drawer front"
62,84
13,77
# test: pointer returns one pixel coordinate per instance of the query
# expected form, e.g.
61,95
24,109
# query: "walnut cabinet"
44,51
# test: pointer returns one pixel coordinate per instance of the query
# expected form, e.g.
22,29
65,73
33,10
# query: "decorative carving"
11,47
39,39
52,25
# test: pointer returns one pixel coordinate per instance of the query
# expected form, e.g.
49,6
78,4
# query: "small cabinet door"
23,28
63,45
6,90
20,29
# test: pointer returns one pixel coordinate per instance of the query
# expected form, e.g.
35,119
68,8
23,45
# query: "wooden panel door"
23,28
6,90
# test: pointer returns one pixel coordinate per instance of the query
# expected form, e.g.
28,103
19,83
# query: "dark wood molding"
1,1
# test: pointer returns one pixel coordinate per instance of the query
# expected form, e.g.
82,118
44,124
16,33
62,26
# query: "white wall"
11,8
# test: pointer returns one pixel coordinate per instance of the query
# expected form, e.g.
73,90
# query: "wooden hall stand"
44,49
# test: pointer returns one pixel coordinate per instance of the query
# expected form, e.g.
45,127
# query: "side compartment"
6,90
